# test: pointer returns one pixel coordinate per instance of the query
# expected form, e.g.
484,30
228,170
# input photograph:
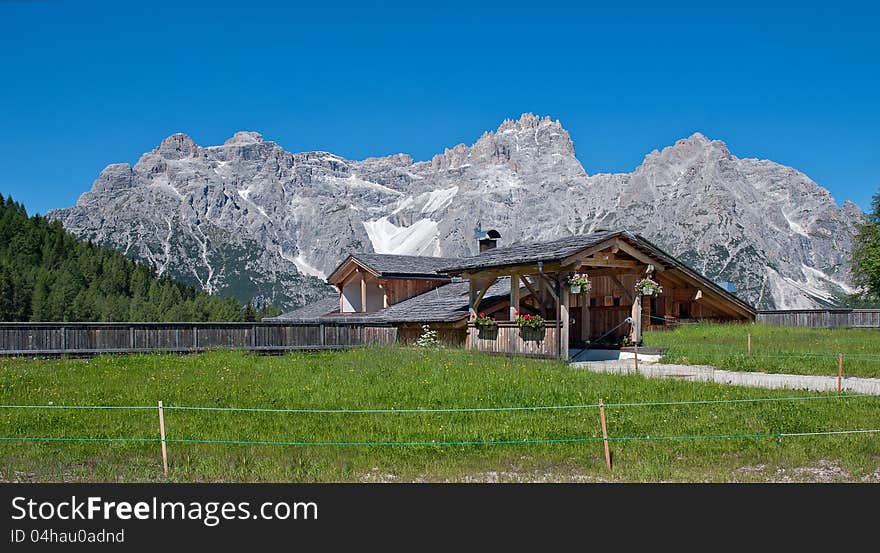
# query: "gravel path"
705,373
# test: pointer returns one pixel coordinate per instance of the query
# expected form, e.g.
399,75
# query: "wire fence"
606,438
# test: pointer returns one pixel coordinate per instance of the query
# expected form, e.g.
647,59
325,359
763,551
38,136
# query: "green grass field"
408,379
774,349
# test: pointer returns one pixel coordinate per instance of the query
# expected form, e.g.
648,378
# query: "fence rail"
821,318
95,338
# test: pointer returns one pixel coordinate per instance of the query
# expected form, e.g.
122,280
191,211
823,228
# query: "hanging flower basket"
648,287
579,283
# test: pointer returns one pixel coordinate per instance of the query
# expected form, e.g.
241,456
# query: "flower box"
530,321
483,320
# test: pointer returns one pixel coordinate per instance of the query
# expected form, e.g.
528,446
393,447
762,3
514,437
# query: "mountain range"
252,220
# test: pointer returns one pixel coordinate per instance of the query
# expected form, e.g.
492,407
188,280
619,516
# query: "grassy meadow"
409,379
774,349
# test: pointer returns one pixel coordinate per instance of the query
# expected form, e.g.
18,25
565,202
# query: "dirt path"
705,373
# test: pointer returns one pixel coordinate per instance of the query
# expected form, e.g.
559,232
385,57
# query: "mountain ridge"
248,217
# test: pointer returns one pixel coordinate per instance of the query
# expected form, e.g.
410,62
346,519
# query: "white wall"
351,296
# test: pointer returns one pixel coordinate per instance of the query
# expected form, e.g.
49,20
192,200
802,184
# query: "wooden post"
604,434
637,319
585,317
162,435
564,323
750,343
636,358
472,302
363,293
839,371
514,295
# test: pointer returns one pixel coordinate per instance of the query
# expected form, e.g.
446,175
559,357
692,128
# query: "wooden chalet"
448,293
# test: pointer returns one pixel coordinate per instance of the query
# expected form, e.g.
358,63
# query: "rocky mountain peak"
177,146
696,148
244,137
517,144
854,211
114,177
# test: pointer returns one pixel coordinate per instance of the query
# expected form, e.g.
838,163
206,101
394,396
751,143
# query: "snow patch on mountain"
420,238
438,199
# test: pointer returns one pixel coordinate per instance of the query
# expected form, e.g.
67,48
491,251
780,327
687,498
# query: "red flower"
493,318
516,313
482,314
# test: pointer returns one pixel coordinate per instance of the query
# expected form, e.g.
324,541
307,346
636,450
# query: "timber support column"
472,314
363,293
514,296
563,321
585,317
636,334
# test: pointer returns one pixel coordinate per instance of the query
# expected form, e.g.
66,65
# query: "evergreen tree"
46,274
866,257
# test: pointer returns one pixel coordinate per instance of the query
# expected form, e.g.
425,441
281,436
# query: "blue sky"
84,84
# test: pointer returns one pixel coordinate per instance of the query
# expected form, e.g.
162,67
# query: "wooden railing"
508,338
821,318
94,338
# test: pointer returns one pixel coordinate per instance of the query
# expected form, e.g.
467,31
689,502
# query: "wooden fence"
94,338
822,318
508,338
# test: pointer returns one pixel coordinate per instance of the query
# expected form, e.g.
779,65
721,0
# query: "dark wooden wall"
93,338
399,289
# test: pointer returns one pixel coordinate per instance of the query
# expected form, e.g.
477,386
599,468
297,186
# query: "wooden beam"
613,272
623,288
636,334
484,286
551,285
586,323
525,269
572,259
564,322
599,262
528,285
635,253
363,294
514,296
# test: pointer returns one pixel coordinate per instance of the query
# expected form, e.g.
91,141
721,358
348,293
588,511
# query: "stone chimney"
487,239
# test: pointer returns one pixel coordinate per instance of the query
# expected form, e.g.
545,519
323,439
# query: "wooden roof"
447,303
550,251
565,249
394,266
